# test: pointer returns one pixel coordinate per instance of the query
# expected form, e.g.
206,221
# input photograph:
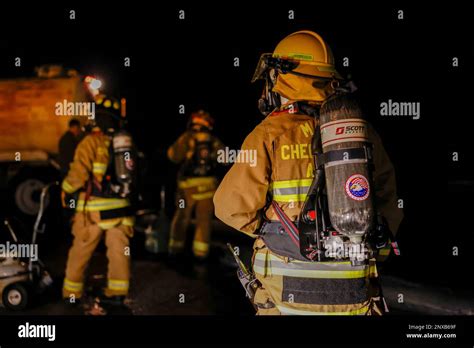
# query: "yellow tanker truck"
30,129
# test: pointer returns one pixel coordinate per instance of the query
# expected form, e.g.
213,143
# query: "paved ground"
184,286
159,285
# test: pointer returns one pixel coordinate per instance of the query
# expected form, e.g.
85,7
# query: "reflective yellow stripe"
100,204
72,286
271,257
106,224
201,196
192,182
290,190
99,168
373,272
313,273
290,198
291,183
116,284
109,223
128,221
292,311
324,270
173,243
67,187
200,246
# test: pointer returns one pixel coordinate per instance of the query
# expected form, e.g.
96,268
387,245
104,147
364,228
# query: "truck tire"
27,196
26,188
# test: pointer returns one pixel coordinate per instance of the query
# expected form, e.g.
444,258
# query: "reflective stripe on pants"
314,288
87,235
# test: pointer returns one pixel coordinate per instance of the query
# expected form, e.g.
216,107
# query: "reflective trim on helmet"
301,56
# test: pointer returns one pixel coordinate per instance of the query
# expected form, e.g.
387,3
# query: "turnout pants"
87,232
291,287
196,199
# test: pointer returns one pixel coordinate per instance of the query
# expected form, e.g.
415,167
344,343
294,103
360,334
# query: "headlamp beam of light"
94,84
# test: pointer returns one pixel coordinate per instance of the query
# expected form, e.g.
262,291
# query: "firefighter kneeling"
102,173
267,201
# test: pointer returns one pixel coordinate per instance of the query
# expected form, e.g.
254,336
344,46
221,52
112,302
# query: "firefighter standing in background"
67,145
196,152
284,172
100,211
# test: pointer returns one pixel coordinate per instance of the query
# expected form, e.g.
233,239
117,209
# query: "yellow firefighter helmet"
201,118
304,66
310,51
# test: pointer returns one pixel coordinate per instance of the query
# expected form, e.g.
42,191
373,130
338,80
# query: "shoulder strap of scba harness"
96,188
288,225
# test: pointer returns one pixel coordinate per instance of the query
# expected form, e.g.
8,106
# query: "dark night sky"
191,62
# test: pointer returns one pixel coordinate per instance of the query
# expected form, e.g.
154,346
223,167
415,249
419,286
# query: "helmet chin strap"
269,100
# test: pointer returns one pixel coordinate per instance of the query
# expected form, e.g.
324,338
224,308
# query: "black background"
190,62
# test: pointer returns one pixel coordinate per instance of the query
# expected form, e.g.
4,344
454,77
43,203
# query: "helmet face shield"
262,68
268,62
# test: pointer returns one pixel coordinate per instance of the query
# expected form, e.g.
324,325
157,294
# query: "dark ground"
212,287
209,287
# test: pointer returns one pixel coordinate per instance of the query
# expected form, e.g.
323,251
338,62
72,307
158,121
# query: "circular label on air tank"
357,187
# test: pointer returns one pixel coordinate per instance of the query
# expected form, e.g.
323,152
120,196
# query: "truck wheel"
27,195
15,297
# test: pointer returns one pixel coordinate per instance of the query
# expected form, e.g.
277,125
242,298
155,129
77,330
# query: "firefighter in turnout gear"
196,152
300,75
102,211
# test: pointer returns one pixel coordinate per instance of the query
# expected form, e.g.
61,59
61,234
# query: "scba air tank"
124,161
347,158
